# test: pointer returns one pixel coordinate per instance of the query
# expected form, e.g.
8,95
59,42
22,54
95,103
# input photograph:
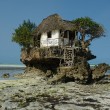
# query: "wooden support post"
68,37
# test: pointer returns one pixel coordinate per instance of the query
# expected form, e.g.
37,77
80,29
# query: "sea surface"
12,70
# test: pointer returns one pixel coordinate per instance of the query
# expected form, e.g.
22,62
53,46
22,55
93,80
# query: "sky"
14,12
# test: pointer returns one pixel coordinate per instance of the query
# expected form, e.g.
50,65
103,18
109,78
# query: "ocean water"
12,71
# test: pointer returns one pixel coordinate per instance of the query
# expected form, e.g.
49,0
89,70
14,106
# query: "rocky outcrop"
80,72
27,55
34,58
6,75
99,71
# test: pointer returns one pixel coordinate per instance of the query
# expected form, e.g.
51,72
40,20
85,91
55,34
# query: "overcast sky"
13,12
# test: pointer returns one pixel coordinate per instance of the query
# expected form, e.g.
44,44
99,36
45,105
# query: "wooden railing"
52,42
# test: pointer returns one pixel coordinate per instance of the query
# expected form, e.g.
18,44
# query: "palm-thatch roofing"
53,22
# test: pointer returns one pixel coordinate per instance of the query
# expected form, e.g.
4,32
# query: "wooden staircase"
68,56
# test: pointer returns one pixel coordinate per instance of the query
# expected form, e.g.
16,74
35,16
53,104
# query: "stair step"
68,56
68,53
68,59
68,48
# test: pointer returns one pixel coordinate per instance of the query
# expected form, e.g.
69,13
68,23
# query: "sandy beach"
34,93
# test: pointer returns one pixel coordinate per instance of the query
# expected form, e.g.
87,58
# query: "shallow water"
11,71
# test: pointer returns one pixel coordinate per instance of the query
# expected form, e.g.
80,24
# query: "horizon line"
12,65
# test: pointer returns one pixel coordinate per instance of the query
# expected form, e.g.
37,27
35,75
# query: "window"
49,34
66,34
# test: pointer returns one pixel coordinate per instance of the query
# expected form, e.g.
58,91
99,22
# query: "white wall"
48,42
43,40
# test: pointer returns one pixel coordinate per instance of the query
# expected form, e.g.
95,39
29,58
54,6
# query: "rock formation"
99,71
80,72
6,75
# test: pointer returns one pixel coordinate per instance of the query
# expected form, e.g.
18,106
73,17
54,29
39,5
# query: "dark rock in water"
99,71
6,75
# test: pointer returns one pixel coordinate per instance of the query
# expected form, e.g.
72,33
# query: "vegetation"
87,30
23,34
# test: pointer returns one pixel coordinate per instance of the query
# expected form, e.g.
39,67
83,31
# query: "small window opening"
49,34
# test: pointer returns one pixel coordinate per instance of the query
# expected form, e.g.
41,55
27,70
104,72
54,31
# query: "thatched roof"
53,22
